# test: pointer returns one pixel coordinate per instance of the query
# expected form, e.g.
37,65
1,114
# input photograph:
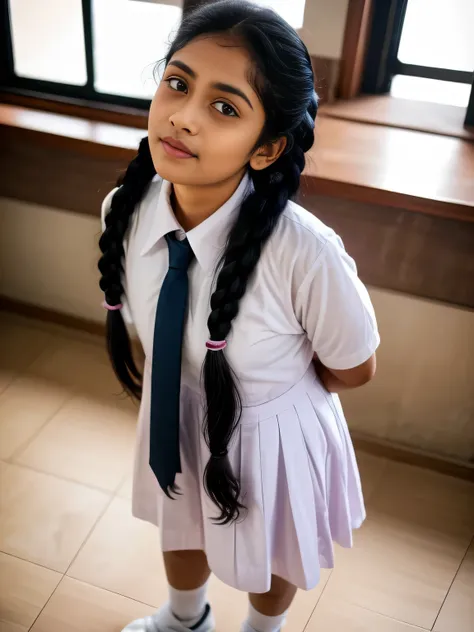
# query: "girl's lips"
175,152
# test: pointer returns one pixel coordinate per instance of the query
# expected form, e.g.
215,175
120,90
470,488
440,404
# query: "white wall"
422,395
49,258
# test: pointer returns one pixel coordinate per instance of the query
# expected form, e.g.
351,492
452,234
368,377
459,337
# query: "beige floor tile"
427,499
371,470
21,344
44,519
54,329
126,488
88,441
83,367
341,616
406,555
457,613
78,607
230,606
19,347
24,590
123,556
6,378
26,405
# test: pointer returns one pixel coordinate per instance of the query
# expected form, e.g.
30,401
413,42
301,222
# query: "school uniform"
291,452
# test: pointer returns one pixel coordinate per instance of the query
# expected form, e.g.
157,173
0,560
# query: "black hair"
283,79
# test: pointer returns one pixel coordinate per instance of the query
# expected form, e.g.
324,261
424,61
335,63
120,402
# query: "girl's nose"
185,120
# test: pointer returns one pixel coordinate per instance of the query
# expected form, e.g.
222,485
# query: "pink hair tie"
111,308
214,345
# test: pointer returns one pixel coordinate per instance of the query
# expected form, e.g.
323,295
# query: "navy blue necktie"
166,365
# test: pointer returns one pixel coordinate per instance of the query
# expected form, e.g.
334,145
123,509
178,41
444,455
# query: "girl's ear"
267,154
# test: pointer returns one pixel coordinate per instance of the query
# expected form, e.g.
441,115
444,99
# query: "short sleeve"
106,204
334,308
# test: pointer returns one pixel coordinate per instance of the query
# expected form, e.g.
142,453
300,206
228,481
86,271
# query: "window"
96,50
438,34
37,54
423,50
128,44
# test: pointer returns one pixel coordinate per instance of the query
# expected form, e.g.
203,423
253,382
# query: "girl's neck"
192,205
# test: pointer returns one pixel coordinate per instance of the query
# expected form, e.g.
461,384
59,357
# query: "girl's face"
206,118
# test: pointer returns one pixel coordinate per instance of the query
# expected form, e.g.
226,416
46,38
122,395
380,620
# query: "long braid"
132,188
257,219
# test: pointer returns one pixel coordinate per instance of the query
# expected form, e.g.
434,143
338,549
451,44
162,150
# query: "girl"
243,457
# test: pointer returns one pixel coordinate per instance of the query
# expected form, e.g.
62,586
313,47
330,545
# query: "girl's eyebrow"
224,87
184,67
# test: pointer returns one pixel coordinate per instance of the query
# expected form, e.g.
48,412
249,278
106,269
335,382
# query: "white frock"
292,450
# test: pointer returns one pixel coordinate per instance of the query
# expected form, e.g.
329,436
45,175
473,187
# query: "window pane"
48,40
432,90
290,10
439,33
129,38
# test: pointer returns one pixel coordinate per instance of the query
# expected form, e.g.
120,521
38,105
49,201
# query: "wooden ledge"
405,169
424,173
389,111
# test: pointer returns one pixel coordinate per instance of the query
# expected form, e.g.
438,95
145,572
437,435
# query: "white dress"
292,450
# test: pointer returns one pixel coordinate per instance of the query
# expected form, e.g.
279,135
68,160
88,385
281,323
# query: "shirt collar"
206,240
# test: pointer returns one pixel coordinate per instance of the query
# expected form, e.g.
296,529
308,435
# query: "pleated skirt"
300,485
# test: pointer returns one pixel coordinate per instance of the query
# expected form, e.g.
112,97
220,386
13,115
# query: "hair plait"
131,189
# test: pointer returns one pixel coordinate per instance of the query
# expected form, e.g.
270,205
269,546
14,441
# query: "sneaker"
165,621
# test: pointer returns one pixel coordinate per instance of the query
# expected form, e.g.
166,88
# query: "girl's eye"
225,109
177,84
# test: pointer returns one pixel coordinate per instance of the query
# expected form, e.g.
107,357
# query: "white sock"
188,605
258,622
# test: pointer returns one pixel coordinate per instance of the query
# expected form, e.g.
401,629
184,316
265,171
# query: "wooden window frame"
370,53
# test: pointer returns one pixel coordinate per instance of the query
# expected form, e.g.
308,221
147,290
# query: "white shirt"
304,297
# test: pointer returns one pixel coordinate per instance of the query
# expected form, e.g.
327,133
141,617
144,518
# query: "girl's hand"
336,381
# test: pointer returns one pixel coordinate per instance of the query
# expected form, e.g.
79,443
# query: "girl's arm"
339,380
334,309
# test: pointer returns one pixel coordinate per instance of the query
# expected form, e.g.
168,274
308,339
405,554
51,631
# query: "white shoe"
165,621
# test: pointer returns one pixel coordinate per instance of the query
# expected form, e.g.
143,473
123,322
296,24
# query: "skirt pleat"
300,486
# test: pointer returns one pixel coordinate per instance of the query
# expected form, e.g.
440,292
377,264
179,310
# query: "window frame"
52,91
382,63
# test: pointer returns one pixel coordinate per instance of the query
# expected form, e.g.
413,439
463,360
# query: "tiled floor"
72,559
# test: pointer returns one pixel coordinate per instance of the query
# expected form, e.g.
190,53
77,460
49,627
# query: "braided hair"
132,186
283,78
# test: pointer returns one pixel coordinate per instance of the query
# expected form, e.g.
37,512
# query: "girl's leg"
267,612
187,573
186,570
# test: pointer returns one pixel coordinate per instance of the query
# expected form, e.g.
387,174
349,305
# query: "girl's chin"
172,170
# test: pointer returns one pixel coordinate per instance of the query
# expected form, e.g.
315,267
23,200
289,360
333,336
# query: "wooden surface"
367,163
356,35
396,249
405,169
434,118
108,113
60,173
68,131
412,253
